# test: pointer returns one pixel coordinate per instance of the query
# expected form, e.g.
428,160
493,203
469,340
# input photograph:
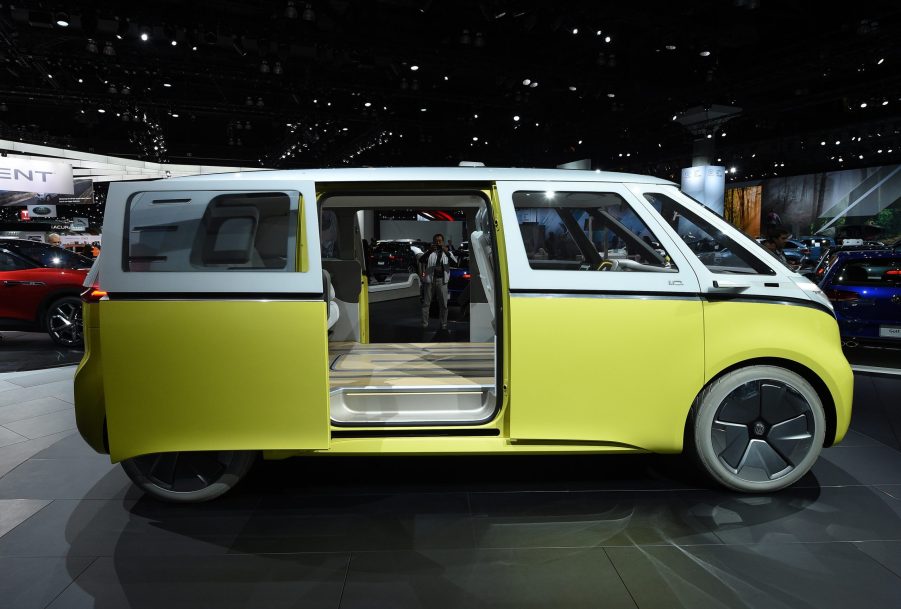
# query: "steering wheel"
608,265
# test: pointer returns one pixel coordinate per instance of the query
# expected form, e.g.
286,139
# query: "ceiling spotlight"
863,104
308,13
167,84
670,47
290,10
277,69
62,20
572,88
174,115
475,138
575,31
885,102
607,39
881,59
264,67
823,143
422,109
145,36
108,49
126,90
193,48
101,110
174,43
414,68
527,82
705,53
515,117
80,80
91,47
611,95
112,89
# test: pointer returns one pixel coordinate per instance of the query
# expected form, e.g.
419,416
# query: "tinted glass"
716,250
242,231
875,272
53,257
586,231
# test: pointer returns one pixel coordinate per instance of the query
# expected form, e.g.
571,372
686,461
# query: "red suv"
39,290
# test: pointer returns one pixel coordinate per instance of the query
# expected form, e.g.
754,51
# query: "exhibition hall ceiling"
773,87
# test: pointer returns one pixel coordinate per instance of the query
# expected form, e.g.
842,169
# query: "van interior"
385,368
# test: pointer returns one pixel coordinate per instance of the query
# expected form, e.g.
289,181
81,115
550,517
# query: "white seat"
480,245
333,311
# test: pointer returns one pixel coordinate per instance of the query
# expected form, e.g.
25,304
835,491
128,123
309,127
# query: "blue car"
865,289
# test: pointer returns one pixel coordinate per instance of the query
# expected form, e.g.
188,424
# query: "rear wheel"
63,322
758,429
189,477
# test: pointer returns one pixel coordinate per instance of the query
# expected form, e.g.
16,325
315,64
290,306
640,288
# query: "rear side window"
717,251
8,262
586,231
190,232
875,272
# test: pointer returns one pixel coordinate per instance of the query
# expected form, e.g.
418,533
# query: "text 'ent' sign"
36,176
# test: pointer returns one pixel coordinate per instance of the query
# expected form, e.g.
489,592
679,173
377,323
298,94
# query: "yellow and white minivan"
608,313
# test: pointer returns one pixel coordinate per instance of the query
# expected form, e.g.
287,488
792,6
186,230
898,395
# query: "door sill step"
422,405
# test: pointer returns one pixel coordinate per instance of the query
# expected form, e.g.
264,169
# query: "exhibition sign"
36,176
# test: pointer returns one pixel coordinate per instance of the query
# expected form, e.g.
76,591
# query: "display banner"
36,176
42,211
707,184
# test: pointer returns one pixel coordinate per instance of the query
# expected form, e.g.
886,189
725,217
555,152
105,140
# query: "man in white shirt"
435,273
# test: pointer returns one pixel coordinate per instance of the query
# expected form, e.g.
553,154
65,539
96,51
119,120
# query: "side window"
586,231
717,251
328,233
8,262
238,231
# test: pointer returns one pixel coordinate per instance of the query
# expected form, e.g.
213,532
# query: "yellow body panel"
214,375
90,407
622,370
740,331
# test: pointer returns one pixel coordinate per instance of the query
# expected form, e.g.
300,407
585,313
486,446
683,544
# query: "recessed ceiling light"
145,37
572,88
80,80
414,68
174,43
863,104
527,82
475,116
885,102
823,143
193,48
367,104
62,23
101,110
516,117
705,53
174,115
670,47
881,59
598,33
475,138
166,84
575,31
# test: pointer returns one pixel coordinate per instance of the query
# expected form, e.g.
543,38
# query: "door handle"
730,286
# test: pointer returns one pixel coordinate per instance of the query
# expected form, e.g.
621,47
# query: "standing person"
775,242
435,275
55,240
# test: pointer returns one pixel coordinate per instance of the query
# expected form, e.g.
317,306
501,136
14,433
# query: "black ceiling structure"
334,83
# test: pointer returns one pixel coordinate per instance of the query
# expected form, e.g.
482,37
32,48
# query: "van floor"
410,364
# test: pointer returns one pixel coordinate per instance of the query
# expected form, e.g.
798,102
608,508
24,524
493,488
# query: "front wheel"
758,429
63,322
189,477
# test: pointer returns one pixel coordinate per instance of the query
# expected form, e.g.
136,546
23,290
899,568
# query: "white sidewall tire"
709,402
237,468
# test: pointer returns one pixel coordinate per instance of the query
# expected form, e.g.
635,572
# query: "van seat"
329,292
480,245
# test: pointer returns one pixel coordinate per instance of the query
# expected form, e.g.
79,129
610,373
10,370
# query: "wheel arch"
809,375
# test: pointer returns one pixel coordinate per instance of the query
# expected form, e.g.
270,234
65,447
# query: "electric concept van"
230,317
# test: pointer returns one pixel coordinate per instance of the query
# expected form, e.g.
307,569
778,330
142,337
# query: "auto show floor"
516,531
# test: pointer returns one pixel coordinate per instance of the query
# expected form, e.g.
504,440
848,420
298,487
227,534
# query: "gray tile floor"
642,531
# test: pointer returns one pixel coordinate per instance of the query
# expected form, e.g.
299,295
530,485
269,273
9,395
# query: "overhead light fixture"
670,47
308,13
290,10
264,67
167,84
62,20
91,46
607,39
611,95
101,110
81,80
145,36
277,69
413,68
174,43
575,31
863,104
881,59
705,53
516,117
108,49
193,48
572,88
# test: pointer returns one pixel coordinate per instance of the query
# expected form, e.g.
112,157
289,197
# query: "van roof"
429,174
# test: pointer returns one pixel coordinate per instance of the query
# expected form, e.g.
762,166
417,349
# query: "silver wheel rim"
763,430
64,324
